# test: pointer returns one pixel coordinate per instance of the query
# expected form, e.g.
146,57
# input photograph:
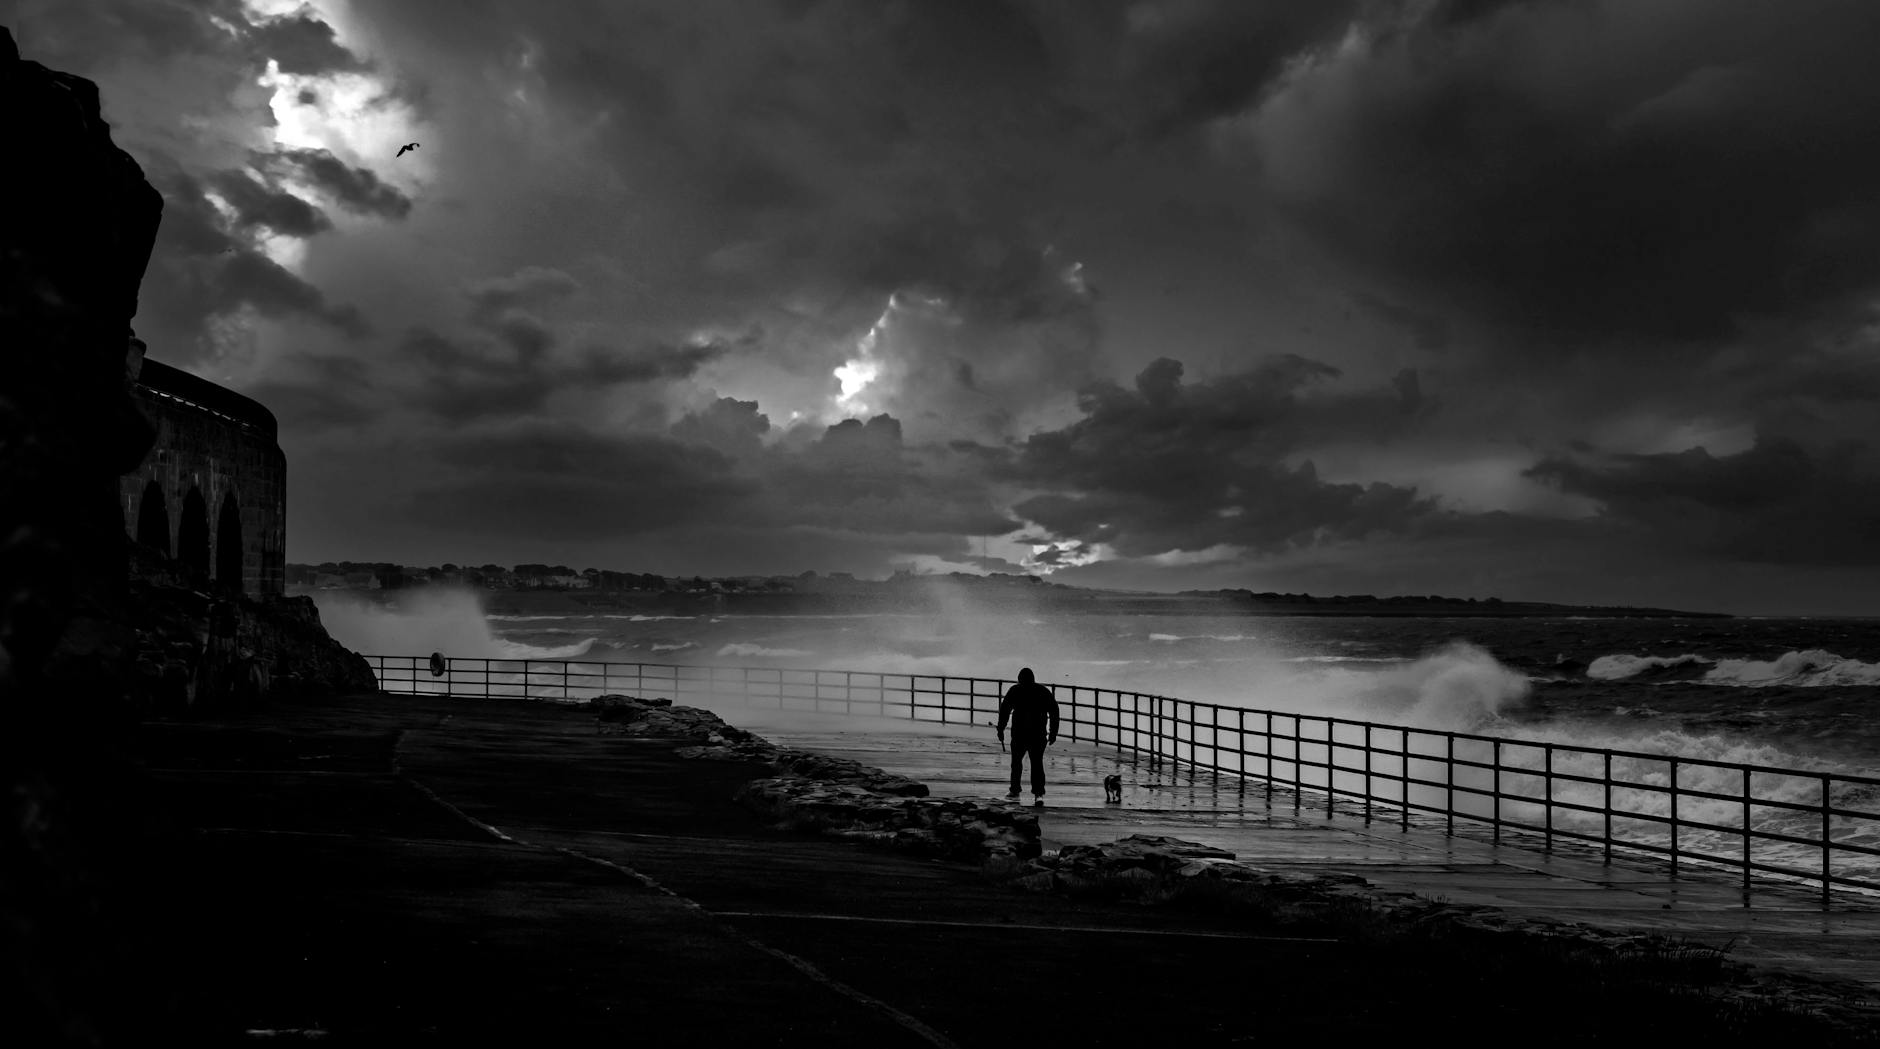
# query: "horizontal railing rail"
1789,825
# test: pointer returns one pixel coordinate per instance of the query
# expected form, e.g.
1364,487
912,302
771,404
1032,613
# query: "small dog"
1113,788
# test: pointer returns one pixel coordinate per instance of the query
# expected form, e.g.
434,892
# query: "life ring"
437,664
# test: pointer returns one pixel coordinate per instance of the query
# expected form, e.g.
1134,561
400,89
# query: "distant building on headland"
212,491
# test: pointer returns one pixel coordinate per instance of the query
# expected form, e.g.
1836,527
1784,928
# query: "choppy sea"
1796,694
1764,691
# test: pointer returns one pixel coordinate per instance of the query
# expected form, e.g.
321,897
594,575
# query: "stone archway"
192,535
228,544
153,519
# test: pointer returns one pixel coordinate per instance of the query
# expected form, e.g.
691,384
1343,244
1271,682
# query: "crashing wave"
1809,668
518,650
739,648
1661,668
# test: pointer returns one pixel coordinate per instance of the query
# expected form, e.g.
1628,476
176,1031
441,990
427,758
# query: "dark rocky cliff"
84,648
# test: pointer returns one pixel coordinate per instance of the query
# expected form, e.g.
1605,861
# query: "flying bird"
402,149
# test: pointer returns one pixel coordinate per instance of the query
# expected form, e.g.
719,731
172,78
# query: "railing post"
486,677
1827,861
1449,786
1299,772
1496,793
1155,732
1747,859
1607,808
1367,773
1243,742
943,699
1403,770
1194,732
1214,735
1674,818
1547,783
1331,759
1269,757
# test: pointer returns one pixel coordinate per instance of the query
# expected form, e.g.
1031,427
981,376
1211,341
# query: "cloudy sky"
1569,300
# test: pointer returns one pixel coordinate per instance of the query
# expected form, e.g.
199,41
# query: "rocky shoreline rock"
835,796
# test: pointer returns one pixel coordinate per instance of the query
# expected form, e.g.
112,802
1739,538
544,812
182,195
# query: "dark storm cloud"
259,196
825,159
1173,467
356,189
200,269
67,32
1778,502
554,482
302,44
862,477
252,279
508,365
61,31
1161,68
463,379
736,428
997,327
528,286
1595,170
315,393
257,204
557,480
1426,330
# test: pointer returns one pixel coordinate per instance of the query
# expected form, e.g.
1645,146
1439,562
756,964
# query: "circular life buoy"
437,664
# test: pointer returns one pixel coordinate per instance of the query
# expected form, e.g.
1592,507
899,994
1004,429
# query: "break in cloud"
1549,299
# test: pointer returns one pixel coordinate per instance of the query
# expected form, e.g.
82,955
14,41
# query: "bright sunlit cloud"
857,374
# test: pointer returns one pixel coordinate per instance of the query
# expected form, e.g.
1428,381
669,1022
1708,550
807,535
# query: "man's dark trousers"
1023,744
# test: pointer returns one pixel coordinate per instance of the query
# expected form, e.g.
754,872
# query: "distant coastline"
923,594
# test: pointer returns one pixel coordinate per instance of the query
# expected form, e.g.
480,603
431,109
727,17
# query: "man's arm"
1005,709
1050,703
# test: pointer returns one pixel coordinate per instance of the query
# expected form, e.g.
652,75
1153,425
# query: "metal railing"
1787,825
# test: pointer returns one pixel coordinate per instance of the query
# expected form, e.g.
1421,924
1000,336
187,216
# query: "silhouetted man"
1033,713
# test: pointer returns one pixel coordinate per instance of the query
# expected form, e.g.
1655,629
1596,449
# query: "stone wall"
214,473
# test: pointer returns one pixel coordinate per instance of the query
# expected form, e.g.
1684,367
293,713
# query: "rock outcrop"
835,796
198,646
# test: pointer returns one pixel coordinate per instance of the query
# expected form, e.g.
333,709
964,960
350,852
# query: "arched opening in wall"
192,535
153,520
228,544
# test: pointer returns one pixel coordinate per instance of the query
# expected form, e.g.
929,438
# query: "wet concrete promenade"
428,870
1782,926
